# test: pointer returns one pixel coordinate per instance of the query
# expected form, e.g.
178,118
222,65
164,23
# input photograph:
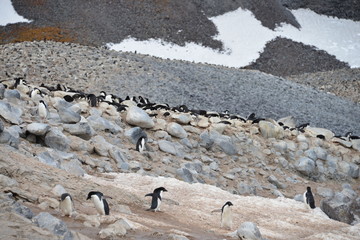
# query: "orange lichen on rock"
30,33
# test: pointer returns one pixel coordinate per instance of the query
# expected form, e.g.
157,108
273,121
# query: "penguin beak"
165,190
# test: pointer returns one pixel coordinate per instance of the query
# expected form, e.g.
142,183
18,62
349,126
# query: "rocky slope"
79,148
198,86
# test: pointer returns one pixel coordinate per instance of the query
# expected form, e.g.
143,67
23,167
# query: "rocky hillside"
198,86
96,23
202,159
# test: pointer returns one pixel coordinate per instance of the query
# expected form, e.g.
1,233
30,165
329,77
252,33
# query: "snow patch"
9,15
244,38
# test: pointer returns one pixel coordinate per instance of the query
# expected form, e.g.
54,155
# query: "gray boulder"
99,123
186,175
2,91
68,116
101,146
9,93
271,130
216,141
10,112
73,167
7,138
273,180
81,129
38,129
175,130
305,166
171,147
343,206
249,231
133,134
57,140
138,117
50,158
47,221
120,159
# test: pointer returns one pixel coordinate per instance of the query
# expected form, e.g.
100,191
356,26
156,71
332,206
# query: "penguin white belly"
304,197
66,206
158,205
42,111
226,218
98,205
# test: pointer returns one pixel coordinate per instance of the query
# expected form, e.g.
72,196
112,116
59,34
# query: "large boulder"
249,231
10,112
81,129
2,91
175,130
343,206
306,166
38,129
47,221
57,140
138,117
99,123
68,116
271,130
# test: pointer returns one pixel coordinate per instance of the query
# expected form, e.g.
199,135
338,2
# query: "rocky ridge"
241,157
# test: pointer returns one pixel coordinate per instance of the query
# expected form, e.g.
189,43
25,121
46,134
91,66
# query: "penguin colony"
99,200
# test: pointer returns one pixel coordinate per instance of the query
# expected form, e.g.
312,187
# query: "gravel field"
175,82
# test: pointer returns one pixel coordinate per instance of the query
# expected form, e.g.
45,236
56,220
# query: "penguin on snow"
309,198
156,199
100,203
226,215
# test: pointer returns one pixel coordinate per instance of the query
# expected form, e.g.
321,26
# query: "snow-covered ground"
8,14
280,218
244,38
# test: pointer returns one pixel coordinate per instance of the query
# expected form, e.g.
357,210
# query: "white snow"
280,218
8,14
244,37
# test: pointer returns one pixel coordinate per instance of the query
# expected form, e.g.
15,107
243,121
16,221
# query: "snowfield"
244,38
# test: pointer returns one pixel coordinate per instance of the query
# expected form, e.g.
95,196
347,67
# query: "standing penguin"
226,216
309,198
66,204
100,203
156,199
140,144
43,110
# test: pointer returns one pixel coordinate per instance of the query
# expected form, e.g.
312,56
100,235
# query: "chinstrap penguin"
226,215
100,202
309,198
156,199
66,204
43,110
140,145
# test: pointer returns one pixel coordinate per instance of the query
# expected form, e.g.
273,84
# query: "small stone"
249,230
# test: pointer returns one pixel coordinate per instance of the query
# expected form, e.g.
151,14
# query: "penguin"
226,215
43,110
156,199
92,99
100,202
66,204
309,198
34,92
140,145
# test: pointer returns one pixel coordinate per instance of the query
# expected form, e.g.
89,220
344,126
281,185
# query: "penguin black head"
159,189
68,98
308,189
227,204
64,195
98,194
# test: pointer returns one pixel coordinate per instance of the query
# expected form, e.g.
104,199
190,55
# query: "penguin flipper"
149,195
106,207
